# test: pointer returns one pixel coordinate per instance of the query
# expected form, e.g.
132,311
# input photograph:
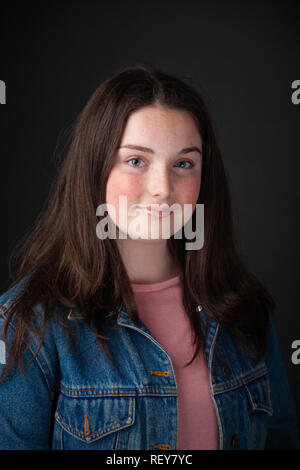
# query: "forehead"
162,125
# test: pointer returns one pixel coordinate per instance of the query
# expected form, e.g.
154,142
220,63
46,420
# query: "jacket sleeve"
26,401
283,429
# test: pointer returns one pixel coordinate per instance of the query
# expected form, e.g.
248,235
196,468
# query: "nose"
159,183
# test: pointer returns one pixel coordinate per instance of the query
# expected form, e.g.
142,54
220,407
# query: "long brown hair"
65,263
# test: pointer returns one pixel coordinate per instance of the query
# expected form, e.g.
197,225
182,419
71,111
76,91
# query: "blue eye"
185,167
134,160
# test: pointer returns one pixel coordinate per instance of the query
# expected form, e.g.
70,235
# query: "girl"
131,337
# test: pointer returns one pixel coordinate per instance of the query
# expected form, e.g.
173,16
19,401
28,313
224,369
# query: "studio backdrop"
243,58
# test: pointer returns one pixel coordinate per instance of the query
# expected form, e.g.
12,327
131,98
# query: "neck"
147,261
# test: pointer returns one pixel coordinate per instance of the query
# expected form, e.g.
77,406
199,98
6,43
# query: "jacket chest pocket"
259,394
93,422
259,398
245,411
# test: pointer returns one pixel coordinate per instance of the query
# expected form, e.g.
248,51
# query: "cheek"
120,185
189,191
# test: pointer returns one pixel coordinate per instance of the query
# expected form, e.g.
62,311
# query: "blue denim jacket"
73,397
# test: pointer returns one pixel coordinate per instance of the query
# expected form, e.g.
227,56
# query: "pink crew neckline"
155,286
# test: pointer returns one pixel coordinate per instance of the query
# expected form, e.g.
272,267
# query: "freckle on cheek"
127,188
191,193
123,188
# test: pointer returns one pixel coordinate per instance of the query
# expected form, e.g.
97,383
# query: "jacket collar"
123,319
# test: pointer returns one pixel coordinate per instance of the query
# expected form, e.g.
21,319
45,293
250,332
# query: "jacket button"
235,441
226,369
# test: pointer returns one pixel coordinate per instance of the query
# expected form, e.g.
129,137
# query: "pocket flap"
259,394
90,419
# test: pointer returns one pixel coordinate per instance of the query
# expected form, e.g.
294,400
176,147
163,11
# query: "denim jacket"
73,397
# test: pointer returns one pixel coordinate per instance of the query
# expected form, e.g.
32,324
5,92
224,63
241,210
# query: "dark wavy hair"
67,264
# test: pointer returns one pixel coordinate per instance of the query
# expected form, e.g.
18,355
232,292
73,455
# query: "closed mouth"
157,212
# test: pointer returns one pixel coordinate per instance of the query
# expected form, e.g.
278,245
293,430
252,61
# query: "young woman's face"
159,162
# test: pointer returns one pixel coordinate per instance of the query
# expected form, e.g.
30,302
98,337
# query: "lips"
157,211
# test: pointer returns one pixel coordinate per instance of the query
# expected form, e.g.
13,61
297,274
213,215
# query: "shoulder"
283,431
43,353
8,298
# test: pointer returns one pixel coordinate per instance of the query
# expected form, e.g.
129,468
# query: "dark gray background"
242,57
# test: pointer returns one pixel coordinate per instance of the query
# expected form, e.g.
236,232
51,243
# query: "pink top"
161,310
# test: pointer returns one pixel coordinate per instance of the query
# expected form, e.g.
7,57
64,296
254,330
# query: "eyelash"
138,158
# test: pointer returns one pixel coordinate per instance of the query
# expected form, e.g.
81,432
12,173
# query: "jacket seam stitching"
237,383
3,311
98,434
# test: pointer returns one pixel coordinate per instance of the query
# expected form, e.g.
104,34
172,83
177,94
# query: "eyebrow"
148,150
